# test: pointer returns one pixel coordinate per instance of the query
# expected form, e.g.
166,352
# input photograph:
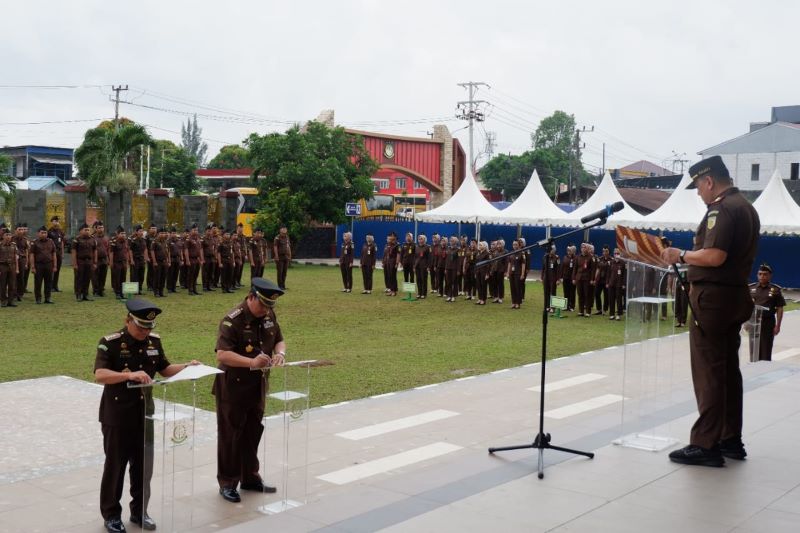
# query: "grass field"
379,344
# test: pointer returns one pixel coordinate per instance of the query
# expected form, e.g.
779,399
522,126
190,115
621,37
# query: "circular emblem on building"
388,150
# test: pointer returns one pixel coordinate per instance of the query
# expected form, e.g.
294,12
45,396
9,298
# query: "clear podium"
649,357
753,329
290,442
169,447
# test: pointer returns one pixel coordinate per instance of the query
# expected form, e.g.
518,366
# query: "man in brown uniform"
43,261
499,268
239,254
249,338
226,261
9,263
346,261
600,281
120,258
282,253
615,283
583,278
255,254
56,234
767,295
23,249
159,262
194,253
139,255
150,238
101,272
567,275
369,253
719,264
550,275
176,257
433,264
132,354
452,264
84,261
209,244
470,257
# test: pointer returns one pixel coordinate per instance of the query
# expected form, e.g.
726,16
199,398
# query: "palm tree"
7,184
105,156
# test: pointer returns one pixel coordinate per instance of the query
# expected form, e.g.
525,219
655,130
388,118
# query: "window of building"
795,172
382,184
755,168
418,185
400,183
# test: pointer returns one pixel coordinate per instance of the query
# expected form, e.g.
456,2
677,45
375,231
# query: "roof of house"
644,200
224,172
776,137
645,167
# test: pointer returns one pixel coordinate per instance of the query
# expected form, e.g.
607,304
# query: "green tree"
171,167
509,174
7,185
192,141
556,135
107,158
230,156
309,175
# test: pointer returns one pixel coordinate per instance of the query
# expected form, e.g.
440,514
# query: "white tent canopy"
778,211
683,211
466,205
532,208
605,194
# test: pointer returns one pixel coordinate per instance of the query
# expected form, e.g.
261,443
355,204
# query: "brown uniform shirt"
119,250
57,236
731,224
242,333
42,251
584,267
568,264
195,249
422,256
616,273
284,247
346,257
483,270
551,267
390,253
102,250
407,253
368,253
119,405
209,245
256,246
84,248
451,258
23,248
8,254
770,297
225,250
160,251
137,246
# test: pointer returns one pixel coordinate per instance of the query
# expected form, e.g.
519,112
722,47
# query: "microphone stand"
542,440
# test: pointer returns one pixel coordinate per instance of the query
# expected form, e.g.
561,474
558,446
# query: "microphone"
603,213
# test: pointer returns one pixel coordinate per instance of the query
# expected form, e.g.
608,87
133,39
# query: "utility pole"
676,159
117,90
575,148
467,110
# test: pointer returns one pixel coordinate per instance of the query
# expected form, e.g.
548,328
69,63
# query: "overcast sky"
652,78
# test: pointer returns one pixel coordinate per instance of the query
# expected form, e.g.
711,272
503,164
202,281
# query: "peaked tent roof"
776,208
605,194
682,211
533,207
466,205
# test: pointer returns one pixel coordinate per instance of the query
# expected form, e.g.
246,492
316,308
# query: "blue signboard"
352,209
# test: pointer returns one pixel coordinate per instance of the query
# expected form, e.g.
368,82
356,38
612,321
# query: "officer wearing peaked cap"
249,339
769,296
719,266
131,354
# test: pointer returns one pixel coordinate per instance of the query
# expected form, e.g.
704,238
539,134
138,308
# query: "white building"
768,146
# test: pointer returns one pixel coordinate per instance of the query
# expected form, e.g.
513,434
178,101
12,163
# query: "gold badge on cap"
248,348
151,315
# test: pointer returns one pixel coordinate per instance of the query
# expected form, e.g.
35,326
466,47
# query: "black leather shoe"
258,486
733,449
49,301
114,525
229,494
695,455
144,522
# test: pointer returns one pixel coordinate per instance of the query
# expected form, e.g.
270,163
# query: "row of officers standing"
159,259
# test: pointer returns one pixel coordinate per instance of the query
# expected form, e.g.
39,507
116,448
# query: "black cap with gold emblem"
266,291
765,268
142,312
713,166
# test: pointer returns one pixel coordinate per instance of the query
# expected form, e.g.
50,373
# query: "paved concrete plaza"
417,460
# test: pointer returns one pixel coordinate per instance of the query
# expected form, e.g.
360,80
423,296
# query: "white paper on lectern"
193,372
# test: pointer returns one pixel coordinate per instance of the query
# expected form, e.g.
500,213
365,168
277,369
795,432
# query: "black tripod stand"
542,440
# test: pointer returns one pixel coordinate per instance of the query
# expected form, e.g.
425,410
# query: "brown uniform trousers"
567,274
368,260
551,267
346,265
282,260
517,267
481,274
422,256
584,274
8,278
407,253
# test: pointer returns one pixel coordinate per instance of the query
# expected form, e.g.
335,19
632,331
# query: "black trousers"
584,296
366,276
440,281
282,266
208,272
59,261
469,282
347,276
226,276
549,289
124,446
22,278
183,276
765,339
8,284
160,278
83,277
99,279
499,285
408,272
239,431
256,270
450,283
44,274
118,272
615,294
481,282
434,285
390,278
172,275
516,288
422,281
150,270
237,273
601,296
137,274
569,293
191,277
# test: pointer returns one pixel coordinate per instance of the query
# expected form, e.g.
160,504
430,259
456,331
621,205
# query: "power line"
34,123
467,110
50,86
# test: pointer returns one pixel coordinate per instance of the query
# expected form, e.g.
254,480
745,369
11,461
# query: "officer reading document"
719,265
132,354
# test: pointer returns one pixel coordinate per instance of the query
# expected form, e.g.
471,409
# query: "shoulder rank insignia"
112,336
236,312
155,335
102,347
227,323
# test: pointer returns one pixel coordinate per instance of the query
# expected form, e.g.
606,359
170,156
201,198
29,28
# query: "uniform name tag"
152,352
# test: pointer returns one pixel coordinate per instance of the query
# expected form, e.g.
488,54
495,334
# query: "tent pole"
519,231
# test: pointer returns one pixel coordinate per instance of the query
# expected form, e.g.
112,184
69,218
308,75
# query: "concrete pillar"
158,206
117,210
30,207
229,203
195,211
75,199
442,134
